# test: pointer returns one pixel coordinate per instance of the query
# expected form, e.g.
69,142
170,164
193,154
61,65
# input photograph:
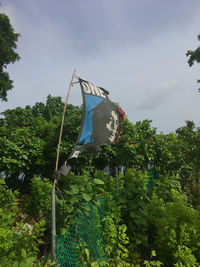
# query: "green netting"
91,227
153,176
66,248
88,232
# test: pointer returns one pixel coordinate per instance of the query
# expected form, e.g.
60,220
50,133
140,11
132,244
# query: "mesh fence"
88,232
66,248
153,176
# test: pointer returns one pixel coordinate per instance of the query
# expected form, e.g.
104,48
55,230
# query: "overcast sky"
133,48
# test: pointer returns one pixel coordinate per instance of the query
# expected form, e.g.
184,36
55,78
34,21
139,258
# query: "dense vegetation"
148,223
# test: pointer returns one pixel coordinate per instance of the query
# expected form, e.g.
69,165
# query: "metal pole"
53,205
53,225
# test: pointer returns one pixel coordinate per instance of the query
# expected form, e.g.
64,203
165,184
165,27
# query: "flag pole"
53,205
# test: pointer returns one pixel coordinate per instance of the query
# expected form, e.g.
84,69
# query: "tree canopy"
8,40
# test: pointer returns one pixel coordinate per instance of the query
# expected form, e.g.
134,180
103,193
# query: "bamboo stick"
53,205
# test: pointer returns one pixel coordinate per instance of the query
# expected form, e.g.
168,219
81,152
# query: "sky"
135,49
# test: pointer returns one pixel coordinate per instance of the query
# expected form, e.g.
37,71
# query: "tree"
8,39
194,56
29,138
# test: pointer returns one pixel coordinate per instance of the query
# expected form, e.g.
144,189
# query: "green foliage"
19,239
114,234
184,257
8,213
136,220
86,259
134,200
8,39
153,263
176,225
136,146
25,240
188,164
194,56
39,202
77,192
165,186
20,150
29,138
29,260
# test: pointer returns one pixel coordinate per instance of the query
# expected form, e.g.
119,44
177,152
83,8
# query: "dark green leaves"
194,56
8,39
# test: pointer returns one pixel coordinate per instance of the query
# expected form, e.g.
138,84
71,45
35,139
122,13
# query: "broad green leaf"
15,264
99,190
69,208
74,199
87,253
31,257
153,253
86,197
63,230
68,192
98,181
97,203
23,253
74,189
88,187
94,264
86,207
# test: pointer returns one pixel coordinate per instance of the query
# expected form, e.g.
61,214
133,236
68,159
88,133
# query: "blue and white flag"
101,122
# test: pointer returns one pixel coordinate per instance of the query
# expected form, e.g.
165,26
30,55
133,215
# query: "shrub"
39,202
176,226
134,198
19,239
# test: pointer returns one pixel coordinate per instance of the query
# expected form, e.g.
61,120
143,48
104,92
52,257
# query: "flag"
101,122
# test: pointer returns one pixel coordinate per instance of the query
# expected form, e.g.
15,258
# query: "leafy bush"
114,234
134,198
184,257
73,196
176,227
38,203
19,239
152,262
8,214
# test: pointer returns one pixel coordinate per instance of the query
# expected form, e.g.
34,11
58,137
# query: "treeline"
154,218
